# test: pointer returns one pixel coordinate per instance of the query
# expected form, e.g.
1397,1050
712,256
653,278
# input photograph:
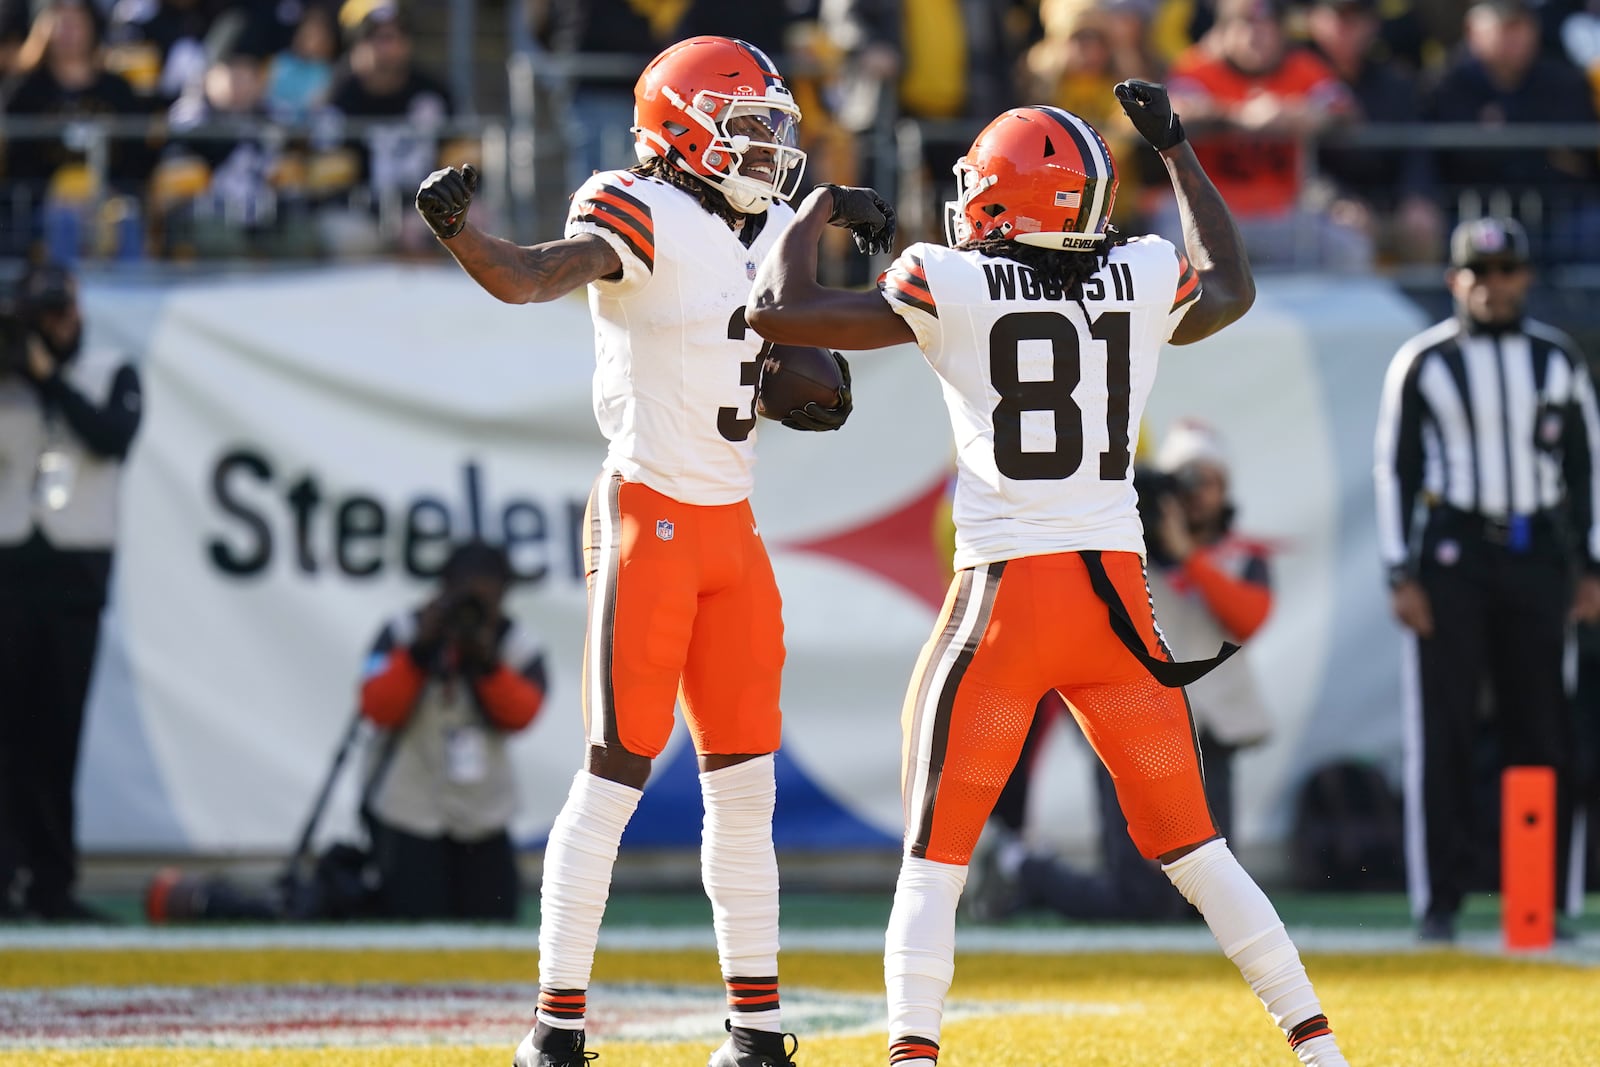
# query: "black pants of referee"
1500,608
47,649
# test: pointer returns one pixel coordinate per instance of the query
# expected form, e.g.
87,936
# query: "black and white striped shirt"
1497,424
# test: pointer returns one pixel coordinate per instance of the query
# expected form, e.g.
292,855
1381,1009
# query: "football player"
1044,326
681,591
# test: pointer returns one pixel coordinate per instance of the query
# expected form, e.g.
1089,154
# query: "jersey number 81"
1055,394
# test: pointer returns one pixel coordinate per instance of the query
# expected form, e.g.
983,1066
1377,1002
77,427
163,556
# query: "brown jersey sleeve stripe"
629,212
913,279
628,198
598,214
901,287
1188,283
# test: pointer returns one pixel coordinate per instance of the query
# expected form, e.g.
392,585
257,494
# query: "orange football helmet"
704,103
1038,175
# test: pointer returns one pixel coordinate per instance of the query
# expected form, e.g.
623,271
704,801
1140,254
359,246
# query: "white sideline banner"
313,442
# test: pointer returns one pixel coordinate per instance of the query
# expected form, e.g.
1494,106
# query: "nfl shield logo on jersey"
750,269
664,529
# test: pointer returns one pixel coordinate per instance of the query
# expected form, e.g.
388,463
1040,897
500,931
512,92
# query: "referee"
1488,451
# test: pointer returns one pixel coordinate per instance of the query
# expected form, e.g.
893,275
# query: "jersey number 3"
1055,395
730,424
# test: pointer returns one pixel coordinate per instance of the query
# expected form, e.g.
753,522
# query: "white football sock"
572,899
1247,927
919,957
740,871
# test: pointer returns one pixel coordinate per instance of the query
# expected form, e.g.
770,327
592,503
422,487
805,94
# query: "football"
793,376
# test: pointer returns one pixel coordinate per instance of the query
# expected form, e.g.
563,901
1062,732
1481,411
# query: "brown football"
793,376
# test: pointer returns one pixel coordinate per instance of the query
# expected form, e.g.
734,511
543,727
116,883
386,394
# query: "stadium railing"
525,158
120,178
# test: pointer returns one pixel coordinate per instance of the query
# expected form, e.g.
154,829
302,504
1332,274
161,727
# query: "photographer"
446,685
1208,585
68,413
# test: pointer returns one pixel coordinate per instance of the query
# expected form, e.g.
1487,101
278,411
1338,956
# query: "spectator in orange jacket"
1250,99
446,686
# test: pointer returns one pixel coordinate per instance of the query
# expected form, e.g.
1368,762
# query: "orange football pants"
682,605
1010,632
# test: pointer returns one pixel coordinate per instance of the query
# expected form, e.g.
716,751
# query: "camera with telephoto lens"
1154,488
464,615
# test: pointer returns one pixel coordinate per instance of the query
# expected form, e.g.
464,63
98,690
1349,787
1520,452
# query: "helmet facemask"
958,229
737,126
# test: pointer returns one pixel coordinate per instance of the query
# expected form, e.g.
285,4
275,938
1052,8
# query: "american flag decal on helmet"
1072,199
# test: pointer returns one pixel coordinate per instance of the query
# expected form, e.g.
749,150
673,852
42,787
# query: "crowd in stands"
1264,88
232,127
302,127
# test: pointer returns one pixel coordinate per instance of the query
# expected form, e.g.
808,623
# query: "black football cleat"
754,1048
565,1052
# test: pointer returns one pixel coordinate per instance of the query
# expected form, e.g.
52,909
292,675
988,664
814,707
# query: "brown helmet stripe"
1098,166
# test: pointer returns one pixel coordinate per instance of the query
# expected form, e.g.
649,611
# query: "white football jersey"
675,365
1044,398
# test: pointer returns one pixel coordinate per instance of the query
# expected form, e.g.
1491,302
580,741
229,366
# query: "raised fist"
1150,112
868,217
444,197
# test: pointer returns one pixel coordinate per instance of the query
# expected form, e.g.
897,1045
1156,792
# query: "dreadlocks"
707,197
1057,270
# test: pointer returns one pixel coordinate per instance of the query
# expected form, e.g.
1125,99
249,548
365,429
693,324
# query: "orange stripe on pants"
1009,633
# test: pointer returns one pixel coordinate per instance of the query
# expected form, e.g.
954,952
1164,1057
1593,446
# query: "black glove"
1150,112
816,418
868,217
444,197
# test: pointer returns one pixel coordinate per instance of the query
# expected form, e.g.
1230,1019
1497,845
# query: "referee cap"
1488,238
